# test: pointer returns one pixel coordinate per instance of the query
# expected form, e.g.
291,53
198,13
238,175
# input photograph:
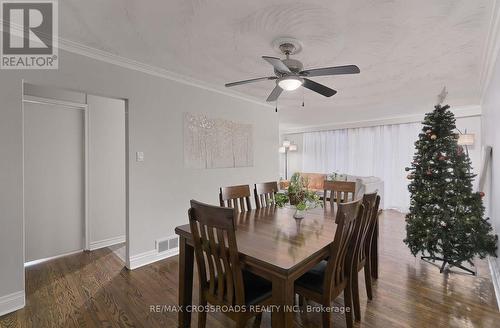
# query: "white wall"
107,193
472,124
160,187
491,137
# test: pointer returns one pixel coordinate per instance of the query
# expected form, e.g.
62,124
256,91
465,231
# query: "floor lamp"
285,149
465,139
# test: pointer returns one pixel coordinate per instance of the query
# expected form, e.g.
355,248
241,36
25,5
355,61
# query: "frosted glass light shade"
282,150
466,139
286,143
292,148
290,83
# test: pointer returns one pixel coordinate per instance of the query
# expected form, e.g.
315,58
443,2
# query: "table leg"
283,296
374,252
186,263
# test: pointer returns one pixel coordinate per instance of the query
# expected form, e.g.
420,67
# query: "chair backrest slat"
358,256
338,191
264,193
338,266
237,197
216,252
371,201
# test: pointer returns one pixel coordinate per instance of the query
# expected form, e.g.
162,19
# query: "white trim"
462,111
495,278
34,262
22,194
149,257
83,50
12,302
107,242
51,101
86,136
491,49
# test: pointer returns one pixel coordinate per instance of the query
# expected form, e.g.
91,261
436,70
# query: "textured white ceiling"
406,49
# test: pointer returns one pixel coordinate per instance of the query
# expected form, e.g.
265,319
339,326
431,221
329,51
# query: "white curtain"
381,151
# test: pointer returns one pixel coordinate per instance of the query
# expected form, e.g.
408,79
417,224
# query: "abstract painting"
216,143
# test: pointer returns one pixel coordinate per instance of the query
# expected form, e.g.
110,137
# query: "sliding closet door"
54,179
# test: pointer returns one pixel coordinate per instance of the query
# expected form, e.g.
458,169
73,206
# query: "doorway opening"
75,173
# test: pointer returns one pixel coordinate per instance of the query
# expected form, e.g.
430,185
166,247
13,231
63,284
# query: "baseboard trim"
149,257
12,302
495,278
34,262
107,242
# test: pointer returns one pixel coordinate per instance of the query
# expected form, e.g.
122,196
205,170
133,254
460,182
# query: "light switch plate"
139,156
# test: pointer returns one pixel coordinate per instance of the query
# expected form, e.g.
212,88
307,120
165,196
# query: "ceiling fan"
289,75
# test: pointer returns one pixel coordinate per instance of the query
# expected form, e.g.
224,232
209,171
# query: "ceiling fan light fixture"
290,83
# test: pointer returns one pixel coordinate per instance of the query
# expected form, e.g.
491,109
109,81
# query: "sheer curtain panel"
381,151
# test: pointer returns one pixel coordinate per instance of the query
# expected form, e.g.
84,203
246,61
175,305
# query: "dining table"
272,244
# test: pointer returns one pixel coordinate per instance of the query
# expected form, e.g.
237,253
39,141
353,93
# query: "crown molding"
104,56
459,111
491,49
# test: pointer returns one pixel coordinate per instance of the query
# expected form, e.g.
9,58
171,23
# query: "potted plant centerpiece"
299,196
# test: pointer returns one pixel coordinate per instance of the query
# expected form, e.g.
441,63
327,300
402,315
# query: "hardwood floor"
93,289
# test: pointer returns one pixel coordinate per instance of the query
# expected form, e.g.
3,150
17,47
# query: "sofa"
363,184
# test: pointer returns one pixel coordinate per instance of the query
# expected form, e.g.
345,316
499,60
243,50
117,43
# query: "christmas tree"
445,221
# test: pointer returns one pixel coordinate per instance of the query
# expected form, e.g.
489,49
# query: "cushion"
315,180
314,278
257,288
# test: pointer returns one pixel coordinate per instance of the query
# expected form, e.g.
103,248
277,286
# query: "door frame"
67,106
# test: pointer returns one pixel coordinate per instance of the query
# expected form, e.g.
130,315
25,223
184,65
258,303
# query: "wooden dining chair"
361,243
372,245
338,191
222,281
329,278
264,193
236,197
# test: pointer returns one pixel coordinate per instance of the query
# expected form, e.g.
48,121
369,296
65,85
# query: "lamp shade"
286,143
282,150
290,83
292,147
466,139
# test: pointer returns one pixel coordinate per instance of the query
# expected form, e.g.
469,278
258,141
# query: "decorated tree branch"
446,218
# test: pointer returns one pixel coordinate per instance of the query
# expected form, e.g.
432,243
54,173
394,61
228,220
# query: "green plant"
297,188
280,199
446,218
299,195
302,206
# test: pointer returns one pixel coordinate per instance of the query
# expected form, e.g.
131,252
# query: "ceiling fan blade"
319,88
232,84
275,94
277,64
337,70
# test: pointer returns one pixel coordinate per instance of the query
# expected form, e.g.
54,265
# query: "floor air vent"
166,244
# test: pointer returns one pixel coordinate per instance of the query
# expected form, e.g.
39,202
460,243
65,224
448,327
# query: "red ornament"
482,194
